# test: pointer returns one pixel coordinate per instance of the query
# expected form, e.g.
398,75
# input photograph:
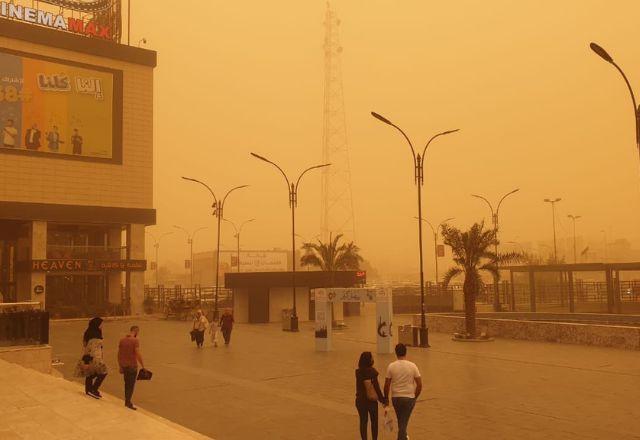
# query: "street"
272,385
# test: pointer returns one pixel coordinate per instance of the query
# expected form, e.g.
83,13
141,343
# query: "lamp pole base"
424,337
294,324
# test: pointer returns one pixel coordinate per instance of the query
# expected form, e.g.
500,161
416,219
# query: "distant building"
274,260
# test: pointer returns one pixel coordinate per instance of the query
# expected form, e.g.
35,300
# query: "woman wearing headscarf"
91,366
200,324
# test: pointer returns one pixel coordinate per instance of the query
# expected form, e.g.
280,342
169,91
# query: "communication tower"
337,198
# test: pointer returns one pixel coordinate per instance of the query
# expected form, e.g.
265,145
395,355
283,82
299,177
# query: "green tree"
473,254
331,256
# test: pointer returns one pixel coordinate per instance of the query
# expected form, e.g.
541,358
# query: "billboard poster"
56,109
255,261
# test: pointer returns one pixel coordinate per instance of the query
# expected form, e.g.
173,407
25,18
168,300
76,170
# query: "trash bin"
286,319
409,335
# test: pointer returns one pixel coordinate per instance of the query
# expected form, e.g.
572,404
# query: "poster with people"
56,108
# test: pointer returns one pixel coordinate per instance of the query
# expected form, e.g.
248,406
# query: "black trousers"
226,334
199,337
93,382
130,374
368,409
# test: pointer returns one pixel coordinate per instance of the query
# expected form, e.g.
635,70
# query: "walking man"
226,325
128,358
404,381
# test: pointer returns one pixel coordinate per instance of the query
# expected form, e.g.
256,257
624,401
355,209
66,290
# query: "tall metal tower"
337,198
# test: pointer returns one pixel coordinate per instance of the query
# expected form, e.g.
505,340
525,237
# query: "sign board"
51,19
154,265
187,264
59,109
68,265
440,250
256,261
384,314
39,289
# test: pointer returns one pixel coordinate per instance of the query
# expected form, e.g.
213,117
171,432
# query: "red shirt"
127,352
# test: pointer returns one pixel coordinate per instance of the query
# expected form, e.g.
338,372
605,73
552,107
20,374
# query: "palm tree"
472,253
331,256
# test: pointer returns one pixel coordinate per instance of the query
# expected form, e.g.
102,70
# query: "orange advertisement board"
57,108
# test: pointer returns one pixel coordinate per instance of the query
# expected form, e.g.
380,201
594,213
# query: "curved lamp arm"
388,122
487,202
435,136
307,170
504,197
244,223
257,156
230,191
215,199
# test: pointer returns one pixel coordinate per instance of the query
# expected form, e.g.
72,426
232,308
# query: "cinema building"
76,170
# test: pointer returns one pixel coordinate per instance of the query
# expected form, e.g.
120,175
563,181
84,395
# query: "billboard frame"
117,112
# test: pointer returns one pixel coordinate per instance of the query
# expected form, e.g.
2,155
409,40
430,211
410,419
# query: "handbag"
371,393
144,375
193,334
389,424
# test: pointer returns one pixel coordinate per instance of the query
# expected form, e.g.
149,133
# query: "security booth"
325,298
261,297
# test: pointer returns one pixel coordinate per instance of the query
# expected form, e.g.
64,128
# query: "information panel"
56,108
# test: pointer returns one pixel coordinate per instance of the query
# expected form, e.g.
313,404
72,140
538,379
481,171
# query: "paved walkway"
271,384
42,407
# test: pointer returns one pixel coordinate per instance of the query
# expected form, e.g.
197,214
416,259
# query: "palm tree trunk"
469,289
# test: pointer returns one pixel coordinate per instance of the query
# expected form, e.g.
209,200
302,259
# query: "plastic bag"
389,423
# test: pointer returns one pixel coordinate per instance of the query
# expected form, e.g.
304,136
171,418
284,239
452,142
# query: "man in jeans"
405,383
128,358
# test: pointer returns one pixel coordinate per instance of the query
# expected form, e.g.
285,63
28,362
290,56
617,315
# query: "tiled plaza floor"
272,385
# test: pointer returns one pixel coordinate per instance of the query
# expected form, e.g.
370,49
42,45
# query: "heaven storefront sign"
54,21
66,265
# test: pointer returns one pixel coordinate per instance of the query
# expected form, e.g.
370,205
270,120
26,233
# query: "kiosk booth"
324,298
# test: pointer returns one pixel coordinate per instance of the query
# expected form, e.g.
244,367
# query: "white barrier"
384,314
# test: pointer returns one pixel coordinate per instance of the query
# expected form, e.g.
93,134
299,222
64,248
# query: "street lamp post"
156,245
605,246
494,218
237,235
435,244
293,202
418,167
553,214
636,109
575,252
218,211
190,237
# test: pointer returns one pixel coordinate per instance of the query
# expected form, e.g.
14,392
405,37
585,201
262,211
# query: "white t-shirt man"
10,134
403,374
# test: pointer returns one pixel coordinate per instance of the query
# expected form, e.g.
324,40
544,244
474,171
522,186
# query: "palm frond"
450,274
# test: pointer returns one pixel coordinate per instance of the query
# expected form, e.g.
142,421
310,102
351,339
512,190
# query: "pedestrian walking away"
368,394
129,357
200,324
404,381
91,366
226,325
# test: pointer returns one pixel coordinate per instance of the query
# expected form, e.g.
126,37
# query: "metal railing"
23,324
165,299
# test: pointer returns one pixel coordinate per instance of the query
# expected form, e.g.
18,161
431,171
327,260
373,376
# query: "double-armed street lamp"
553,214
190,237
636,109
418,168
494,218
237,235
218,211
435,244
575,252
156,245
292,189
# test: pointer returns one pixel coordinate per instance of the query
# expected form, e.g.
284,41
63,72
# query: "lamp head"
381,118
601,52
450,131
257,156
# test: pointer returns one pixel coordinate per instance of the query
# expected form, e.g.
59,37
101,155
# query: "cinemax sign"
54,21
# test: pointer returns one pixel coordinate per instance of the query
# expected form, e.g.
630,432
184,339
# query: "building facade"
76,170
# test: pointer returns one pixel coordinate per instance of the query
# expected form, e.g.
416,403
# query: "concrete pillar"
114,279
610,300
38,252
512,292
572,298
532,291
135,280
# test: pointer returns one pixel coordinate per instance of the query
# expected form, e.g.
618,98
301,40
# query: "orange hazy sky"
536,108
